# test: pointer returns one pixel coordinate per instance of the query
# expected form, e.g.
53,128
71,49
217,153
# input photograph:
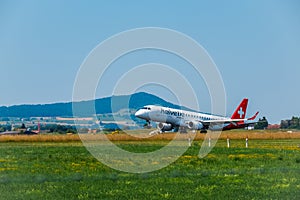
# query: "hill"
102,106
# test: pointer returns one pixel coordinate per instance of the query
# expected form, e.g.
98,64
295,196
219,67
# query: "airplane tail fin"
240,111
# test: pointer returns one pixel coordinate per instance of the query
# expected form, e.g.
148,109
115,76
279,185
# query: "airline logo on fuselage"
171,112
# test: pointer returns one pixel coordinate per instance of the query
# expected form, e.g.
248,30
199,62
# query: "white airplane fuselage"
180,118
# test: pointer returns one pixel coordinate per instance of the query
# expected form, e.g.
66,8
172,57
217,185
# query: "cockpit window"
146,108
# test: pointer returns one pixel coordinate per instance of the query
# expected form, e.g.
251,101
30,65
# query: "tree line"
293,123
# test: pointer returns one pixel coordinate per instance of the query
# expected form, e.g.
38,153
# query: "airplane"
169,119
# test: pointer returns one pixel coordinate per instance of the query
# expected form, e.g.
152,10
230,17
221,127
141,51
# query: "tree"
262,123
293,123
2,129
23,126
284,124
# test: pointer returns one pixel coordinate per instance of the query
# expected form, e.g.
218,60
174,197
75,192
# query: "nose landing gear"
147,125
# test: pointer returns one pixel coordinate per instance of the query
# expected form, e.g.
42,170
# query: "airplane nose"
138,113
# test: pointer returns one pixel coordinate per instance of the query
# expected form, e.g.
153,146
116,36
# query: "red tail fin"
240,111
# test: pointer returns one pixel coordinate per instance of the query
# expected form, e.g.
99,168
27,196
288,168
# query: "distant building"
273,126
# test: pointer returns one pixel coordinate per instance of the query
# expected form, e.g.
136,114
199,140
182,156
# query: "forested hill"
102,106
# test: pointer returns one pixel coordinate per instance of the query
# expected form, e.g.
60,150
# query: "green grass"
269,169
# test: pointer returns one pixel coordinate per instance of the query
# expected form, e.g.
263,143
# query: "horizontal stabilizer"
254,116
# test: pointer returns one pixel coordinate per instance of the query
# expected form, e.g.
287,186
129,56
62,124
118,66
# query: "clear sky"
255,45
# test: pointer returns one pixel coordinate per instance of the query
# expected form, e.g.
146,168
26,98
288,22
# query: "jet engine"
165,126
195,125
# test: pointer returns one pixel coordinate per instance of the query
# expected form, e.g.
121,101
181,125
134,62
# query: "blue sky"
255,45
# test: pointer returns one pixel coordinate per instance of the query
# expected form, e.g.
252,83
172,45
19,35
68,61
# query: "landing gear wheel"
182,130
147,125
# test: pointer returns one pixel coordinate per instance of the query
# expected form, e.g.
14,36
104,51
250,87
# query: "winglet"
254,116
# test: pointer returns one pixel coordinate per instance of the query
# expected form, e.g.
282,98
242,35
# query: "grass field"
143,135
62,169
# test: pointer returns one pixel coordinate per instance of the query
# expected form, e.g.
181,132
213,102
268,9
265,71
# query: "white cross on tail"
241,112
